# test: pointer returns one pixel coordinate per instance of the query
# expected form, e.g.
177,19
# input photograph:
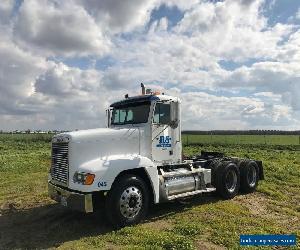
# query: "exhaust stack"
143,88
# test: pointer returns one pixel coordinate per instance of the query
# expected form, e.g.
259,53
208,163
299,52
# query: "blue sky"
281,11
235,64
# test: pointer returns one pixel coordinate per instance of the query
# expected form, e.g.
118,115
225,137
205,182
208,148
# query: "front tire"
127,202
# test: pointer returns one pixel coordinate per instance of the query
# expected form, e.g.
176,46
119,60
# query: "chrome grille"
60,162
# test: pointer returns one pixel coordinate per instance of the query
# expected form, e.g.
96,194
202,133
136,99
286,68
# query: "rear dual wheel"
249,176
227,180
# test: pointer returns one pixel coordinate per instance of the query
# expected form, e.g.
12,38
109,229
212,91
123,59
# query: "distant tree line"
186,132
28,131
241,132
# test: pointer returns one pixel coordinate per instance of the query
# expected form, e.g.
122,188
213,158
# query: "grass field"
241,139
28,219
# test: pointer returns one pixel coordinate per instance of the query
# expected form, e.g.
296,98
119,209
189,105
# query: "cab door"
164,135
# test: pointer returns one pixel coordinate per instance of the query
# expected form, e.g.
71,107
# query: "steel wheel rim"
131,202
231,180
251,176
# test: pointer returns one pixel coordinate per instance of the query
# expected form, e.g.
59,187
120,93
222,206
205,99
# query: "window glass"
130,113
162,113
116,116
156,115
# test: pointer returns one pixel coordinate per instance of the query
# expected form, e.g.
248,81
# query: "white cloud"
60,97
18,70
261,91
232,30
298,14
290,50
276,77
59,28
119,15
76,95
6,7
61,80
167,58
181,4
205,111
268,95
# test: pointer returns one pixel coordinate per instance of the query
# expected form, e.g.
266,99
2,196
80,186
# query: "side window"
122,116
129,116
116,116
119,116
162,113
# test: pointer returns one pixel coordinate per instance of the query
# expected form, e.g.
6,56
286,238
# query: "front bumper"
71,199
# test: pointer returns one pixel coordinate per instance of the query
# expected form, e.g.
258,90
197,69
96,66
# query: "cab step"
177,196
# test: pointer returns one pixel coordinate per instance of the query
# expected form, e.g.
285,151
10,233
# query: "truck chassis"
128,200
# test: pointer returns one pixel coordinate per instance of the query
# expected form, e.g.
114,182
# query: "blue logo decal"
164,142
102,184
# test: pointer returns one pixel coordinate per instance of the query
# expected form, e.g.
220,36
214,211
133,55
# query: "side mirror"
174,115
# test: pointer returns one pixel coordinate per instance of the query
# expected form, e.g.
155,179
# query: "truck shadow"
163,210
51,225
47,226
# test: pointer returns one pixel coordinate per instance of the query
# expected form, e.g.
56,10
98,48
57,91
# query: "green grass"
26,137
23,167
241,139
28,219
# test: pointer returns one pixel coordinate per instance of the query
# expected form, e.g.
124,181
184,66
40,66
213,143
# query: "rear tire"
227,180
249,176
127,202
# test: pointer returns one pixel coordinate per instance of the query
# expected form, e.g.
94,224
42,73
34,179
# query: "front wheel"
127,202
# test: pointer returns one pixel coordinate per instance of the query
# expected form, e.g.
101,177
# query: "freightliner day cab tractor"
137,161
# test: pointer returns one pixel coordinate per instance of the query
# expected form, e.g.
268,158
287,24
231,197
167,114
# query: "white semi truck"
137,161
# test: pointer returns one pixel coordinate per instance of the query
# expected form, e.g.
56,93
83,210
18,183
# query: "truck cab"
157,119
137,160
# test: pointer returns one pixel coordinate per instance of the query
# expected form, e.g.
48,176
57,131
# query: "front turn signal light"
89,179
84,178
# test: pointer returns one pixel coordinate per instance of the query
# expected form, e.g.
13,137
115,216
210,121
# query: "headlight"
84,178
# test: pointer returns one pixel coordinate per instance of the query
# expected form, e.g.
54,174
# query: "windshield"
130,113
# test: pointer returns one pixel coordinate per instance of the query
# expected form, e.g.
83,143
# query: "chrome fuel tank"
180,184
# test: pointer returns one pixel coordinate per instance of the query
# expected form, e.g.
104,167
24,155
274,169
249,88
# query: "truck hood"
102,134
92,150
96,143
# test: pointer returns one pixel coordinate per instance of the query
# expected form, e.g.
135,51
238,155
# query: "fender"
106,169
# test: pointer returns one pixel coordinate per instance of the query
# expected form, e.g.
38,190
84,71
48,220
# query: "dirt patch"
158,225
13,207
260,205
8,207
256,203
110,246
205,245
